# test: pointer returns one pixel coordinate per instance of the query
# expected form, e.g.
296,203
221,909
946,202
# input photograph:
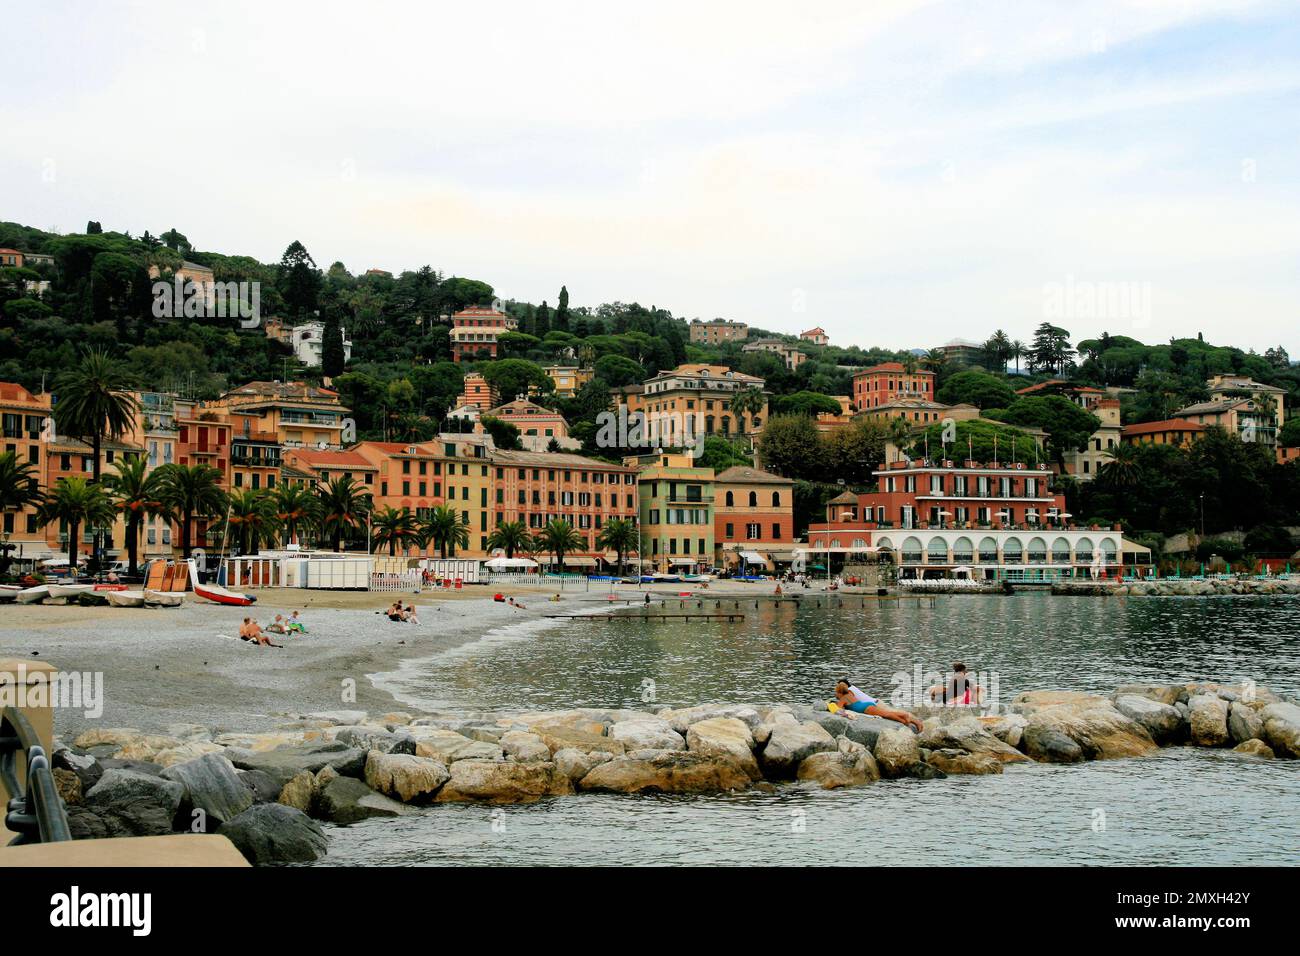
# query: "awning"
753,557
576,561
684,561
509,564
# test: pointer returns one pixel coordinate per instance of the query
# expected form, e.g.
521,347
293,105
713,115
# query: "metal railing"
35,811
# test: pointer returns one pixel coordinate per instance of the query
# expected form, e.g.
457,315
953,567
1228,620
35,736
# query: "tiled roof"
1167,425
739,474
545,459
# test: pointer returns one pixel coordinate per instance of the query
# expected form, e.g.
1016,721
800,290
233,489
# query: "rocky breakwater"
1188,587
269,792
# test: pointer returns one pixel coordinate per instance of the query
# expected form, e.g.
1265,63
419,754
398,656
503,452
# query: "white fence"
559,582
410,581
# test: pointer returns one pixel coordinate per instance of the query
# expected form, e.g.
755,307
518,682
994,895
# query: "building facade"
753,519
677,513
691,400
891,382
718,331
474,333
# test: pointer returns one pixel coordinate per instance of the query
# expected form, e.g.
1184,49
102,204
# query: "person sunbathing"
395,612
408,614
852,701
257,637
278,626
295,624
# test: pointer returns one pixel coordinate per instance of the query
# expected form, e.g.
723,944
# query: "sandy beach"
186,665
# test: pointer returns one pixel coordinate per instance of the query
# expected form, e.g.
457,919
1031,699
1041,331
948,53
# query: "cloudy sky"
899,173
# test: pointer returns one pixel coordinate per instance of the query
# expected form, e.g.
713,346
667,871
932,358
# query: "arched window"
1037,551
963,551
753,499
988,551
912,551
776,499
937,551
1083,551
1013,551
731,500
1060,551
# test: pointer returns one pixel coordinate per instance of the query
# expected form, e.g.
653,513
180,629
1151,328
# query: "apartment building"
677,513
24,418
717,331
298,414
474,333
753,519
694,399
891,382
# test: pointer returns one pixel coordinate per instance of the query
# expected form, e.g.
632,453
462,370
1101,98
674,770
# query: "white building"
308,341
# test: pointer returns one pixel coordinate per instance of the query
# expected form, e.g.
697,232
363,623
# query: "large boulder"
575,764
1162,720
1244,722
1254,748
134,804
1282,728
447,746
683,718
866,729
970,735
790,744
211,786
525,747
1208,720
185,752
273,833
368,737
407,777
85,766
649,733
833,770
963,762
1101,732
285,763
345,800
1049,745
1008,728
897,752
729,736
504,782
300,791
668,772
1160,693
1034,700
569,738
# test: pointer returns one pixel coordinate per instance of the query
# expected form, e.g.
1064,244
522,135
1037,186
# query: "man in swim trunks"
854,700
958,690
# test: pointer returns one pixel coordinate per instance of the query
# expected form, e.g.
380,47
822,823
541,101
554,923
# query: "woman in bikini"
853,700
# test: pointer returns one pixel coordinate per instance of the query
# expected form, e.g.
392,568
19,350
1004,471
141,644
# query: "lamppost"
1202,514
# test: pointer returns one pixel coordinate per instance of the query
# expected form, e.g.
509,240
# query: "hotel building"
891,382
691,399
474,333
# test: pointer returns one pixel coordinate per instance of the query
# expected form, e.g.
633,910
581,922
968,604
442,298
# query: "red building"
474,332
890,382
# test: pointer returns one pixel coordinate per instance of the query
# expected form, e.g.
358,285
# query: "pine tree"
543,320
332,354
562,311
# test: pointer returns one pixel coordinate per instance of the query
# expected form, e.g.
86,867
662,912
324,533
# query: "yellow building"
694,399
300,415
568,379
676,512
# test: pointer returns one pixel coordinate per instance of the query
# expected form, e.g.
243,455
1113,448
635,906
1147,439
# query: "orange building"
891,382
753,518
24,416
1171,431
297,413
537,487
477,393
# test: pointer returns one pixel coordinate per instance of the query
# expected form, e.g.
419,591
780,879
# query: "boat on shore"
125,598
69,590
9,592
33,595
219,595
154,598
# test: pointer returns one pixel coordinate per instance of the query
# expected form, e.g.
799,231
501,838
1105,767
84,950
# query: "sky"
899,173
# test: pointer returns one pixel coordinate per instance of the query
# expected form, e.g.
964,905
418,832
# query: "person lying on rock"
853,701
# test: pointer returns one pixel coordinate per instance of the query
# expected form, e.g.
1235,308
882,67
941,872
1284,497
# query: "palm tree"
295,507
751,400
559,538
619,534
509,536
18,488
446,530
1121,468
1018,351
135,494
76,502
393,527
189,492
94,403
344,505
251,515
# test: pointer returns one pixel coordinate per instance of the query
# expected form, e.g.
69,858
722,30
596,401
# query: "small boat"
69,590
219,595
125,598
163,598
9,592
110,587
33,595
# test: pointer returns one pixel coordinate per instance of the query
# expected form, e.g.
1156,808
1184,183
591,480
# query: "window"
753,532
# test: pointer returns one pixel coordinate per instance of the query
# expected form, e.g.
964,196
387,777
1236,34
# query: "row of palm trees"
559,538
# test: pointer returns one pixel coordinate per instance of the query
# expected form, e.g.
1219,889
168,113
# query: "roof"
1165,425
523,406
891,367
1212,408
283,390
13,251
317,458
1060,383
844,498
549,459
13,392
739,474
194,266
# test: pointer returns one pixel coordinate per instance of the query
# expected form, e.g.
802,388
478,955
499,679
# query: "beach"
186,665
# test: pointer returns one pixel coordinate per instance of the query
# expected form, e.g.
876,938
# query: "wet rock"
273,833
211,786
729,736
669,772
345,800
525,747
833,770
681,719
1162,721
300,791
491,781
897,751
68,784
963,762
1254,747
1049,745
866,729
134,804
1244,723
405,777
285,763
1101,731
790,744
1208,720
970,735
85,766
652,733
1282,728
